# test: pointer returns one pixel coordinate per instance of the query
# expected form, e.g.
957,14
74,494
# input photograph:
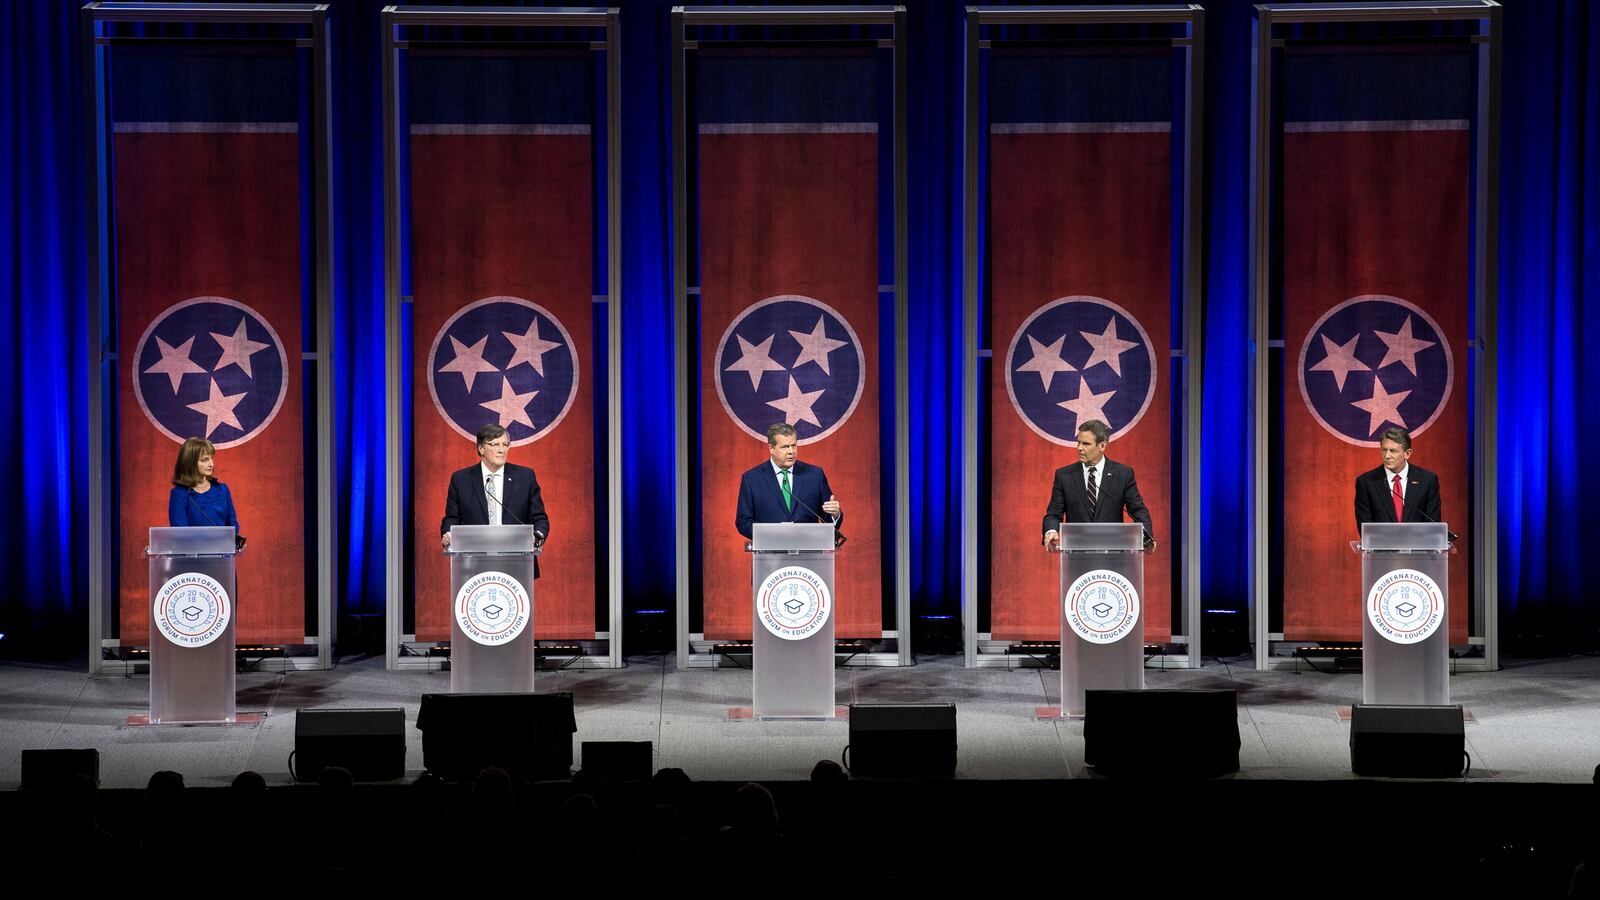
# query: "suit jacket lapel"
1080,491
1413,495
1102,509
1386,492
776,492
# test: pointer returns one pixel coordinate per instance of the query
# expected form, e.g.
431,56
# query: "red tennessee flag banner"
502,175
1376,196
788,175
1080,197
207,172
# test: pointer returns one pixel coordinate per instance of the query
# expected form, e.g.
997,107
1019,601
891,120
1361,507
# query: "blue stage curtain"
1549,324
43,268
1549,309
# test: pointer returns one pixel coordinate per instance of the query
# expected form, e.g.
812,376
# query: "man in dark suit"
783,489
1094,489
1397,491
494,492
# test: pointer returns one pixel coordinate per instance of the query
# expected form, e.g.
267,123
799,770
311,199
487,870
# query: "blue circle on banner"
1374,361
790,359
1080,358
504,360
210,366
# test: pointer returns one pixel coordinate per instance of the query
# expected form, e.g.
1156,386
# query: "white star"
1108,348
1088,405
237,348
469,361
815,347
1046,360
1403,348
174,362
755,359
1341,360
797,406
218,409
512,406
530,348
1382,406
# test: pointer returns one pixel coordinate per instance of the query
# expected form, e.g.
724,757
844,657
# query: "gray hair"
1099,429
781,428
1398,435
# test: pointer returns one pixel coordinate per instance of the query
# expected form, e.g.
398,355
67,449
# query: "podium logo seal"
793,603
191,609
492,608
1405,606
1101,606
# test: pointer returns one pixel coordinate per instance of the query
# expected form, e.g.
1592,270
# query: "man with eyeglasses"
494,492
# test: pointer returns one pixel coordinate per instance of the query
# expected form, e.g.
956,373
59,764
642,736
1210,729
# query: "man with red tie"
1397,491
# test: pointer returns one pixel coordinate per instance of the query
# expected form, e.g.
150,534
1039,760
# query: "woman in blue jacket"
198,498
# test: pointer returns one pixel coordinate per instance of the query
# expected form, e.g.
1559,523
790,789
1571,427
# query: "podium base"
736,713
1344,713
240,719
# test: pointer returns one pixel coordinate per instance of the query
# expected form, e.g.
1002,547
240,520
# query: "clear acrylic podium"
793,676
192,622
491,621
1100,664
1408,672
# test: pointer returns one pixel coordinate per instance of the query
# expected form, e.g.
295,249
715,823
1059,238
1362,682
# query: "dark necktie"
1094,492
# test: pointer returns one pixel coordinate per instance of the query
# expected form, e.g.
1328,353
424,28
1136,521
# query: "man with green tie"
783,489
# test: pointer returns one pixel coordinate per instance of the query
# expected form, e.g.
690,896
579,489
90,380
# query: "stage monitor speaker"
902,740
371,743
528,735
1407,741
1161,733
52,770
613,761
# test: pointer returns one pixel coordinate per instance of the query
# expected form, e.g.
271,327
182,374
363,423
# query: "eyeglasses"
498,445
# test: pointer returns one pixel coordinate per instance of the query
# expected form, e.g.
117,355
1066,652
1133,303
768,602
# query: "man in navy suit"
1397,491
1094,489
494,492
783,489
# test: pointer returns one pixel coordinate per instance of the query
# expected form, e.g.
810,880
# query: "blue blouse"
186,506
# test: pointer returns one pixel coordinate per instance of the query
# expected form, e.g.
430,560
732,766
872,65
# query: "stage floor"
1533,721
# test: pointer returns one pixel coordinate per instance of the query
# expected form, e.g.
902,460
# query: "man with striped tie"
783,489
1094,489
